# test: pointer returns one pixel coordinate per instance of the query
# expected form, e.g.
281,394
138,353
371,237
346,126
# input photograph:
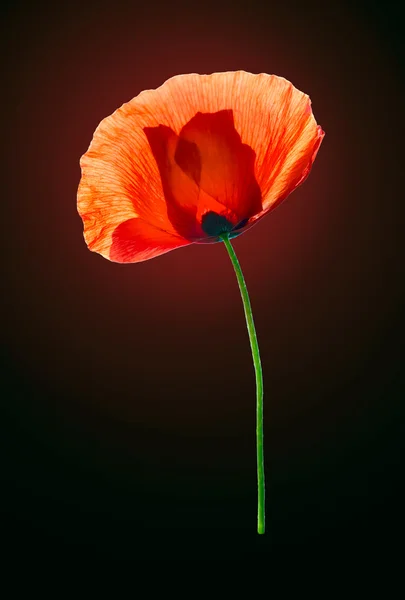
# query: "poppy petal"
293,167
297,174
225,168
136,240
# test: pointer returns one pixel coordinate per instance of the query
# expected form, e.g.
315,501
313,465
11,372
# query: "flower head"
200,156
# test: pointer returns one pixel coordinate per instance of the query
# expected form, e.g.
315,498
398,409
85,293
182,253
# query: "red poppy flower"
200,156
199,160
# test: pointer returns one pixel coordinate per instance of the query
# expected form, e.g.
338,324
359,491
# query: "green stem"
259,381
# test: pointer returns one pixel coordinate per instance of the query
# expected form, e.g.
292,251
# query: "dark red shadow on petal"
188,158
181,192
206,169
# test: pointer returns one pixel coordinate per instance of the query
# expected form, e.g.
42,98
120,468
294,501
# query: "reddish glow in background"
140,377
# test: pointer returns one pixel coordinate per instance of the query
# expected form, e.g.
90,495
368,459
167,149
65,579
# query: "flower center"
213,224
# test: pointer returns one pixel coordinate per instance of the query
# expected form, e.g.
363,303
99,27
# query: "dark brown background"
129,398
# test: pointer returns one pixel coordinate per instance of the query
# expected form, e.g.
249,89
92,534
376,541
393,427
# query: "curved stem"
259,381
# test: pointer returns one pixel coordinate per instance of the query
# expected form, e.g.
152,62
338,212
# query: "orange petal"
293,175
136,240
